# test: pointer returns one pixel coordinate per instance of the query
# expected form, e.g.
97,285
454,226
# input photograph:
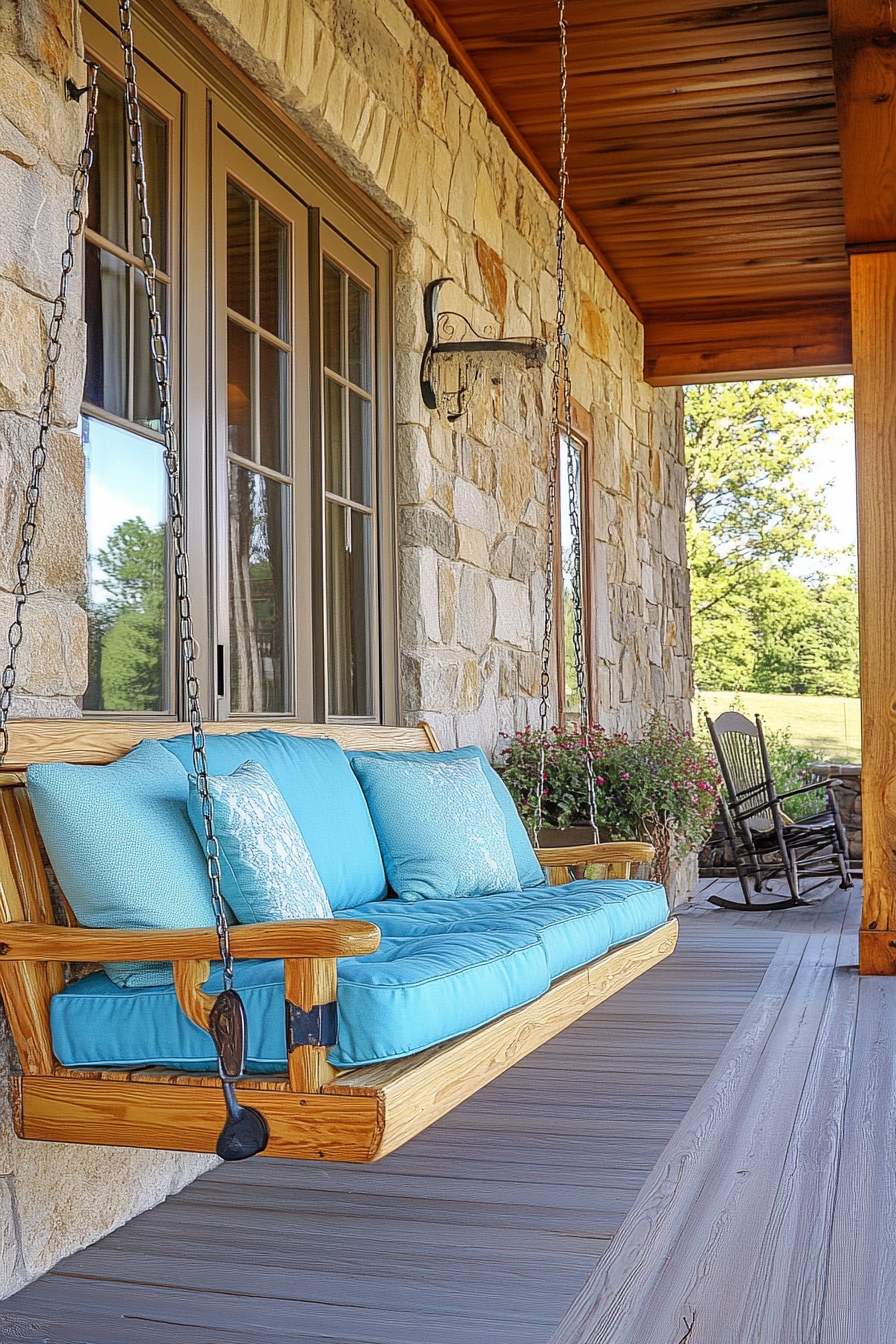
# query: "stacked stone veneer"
54,1198
369,84
376,91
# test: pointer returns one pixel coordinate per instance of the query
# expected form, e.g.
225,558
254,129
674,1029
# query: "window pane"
155,151
570,507
334,400
332,302
358,335
272,273
109,175
349,574
146,410
359,447
258,593
272,400
240,251
239,390
126,588
106,309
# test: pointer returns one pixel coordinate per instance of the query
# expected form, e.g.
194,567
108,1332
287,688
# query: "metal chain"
562,387
74,225
161,368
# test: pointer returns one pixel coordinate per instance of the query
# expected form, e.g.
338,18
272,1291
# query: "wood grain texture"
864,62
99,741
189,977
874,356
285,938
613,852
310,982
416,1092
482,1228
189,1118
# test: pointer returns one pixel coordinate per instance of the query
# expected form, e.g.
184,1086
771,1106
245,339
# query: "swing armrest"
290,939
616,854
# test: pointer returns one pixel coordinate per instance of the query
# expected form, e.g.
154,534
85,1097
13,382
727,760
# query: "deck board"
486,1226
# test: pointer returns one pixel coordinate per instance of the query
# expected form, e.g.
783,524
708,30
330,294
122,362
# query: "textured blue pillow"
121,844
266,870
322,794
441,832
529,870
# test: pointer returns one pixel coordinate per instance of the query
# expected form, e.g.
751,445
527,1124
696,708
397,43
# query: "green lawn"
830,725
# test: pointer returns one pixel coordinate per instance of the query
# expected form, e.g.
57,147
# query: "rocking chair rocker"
766,845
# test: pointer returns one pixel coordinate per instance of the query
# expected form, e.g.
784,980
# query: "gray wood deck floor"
723,1150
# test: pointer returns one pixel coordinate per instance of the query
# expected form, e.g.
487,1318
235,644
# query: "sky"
128,481
834,462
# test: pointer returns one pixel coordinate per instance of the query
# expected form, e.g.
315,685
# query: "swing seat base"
362,1115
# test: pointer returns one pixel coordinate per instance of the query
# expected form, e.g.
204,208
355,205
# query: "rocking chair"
766,845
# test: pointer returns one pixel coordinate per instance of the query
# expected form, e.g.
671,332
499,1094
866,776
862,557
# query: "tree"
749,517
128,627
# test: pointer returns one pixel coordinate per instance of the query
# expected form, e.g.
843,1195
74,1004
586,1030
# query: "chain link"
561,392
161,368
74,225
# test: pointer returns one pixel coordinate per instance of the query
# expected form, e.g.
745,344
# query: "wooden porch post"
864,47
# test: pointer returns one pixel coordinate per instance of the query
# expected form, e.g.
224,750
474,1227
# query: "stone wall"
369,84
54,1198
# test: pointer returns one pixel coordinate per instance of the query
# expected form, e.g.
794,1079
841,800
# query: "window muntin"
126,597
259,454
349,472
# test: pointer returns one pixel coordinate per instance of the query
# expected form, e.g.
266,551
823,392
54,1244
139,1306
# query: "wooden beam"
874,345
709,345
863,40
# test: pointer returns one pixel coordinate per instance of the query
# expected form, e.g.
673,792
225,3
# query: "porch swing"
305,1107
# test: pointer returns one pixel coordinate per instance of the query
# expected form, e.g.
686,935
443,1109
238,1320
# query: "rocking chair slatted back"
737,745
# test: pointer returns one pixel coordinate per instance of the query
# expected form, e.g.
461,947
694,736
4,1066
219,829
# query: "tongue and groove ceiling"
704,164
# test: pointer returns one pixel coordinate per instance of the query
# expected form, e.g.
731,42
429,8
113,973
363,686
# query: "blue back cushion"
121,844
321,792
440,830
529,870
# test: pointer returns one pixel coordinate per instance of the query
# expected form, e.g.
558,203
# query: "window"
272,286
573,513
126,598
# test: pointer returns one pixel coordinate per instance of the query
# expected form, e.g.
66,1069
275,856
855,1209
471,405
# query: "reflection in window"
126,589
348,478
570,497
259,452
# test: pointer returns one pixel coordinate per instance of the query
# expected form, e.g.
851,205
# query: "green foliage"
756,626
128,627
662,787
790,770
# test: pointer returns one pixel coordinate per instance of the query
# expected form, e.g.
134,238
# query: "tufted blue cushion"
575,923
529,870
266,870
121,844
441,832
409,994
323,795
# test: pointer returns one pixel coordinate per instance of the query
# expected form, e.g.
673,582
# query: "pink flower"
599,780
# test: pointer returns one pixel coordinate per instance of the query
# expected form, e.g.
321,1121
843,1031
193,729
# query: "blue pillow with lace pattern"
441,831
267,872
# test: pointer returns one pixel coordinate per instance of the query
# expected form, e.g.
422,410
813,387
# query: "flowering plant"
662,787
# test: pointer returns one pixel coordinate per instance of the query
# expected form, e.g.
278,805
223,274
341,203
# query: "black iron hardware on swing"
456,355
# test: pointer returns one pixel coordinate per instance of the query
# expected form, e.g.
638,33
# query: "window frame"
214,98
581,431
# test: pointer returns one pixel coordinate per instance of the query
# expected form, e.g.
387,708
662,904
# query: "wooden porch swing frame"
312,1110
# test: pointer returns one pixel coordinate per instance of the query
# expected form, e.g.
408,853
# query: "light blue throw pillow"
267,872
121,844
529,870
440,829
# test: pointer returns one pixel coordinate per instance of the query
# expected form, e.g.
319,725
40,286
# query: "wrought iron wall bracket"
456,356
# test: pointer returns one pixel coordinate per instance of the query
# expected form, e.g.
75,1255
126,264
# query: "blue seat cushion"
121,844
575,923
324,797
409,994
529,870
441,832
